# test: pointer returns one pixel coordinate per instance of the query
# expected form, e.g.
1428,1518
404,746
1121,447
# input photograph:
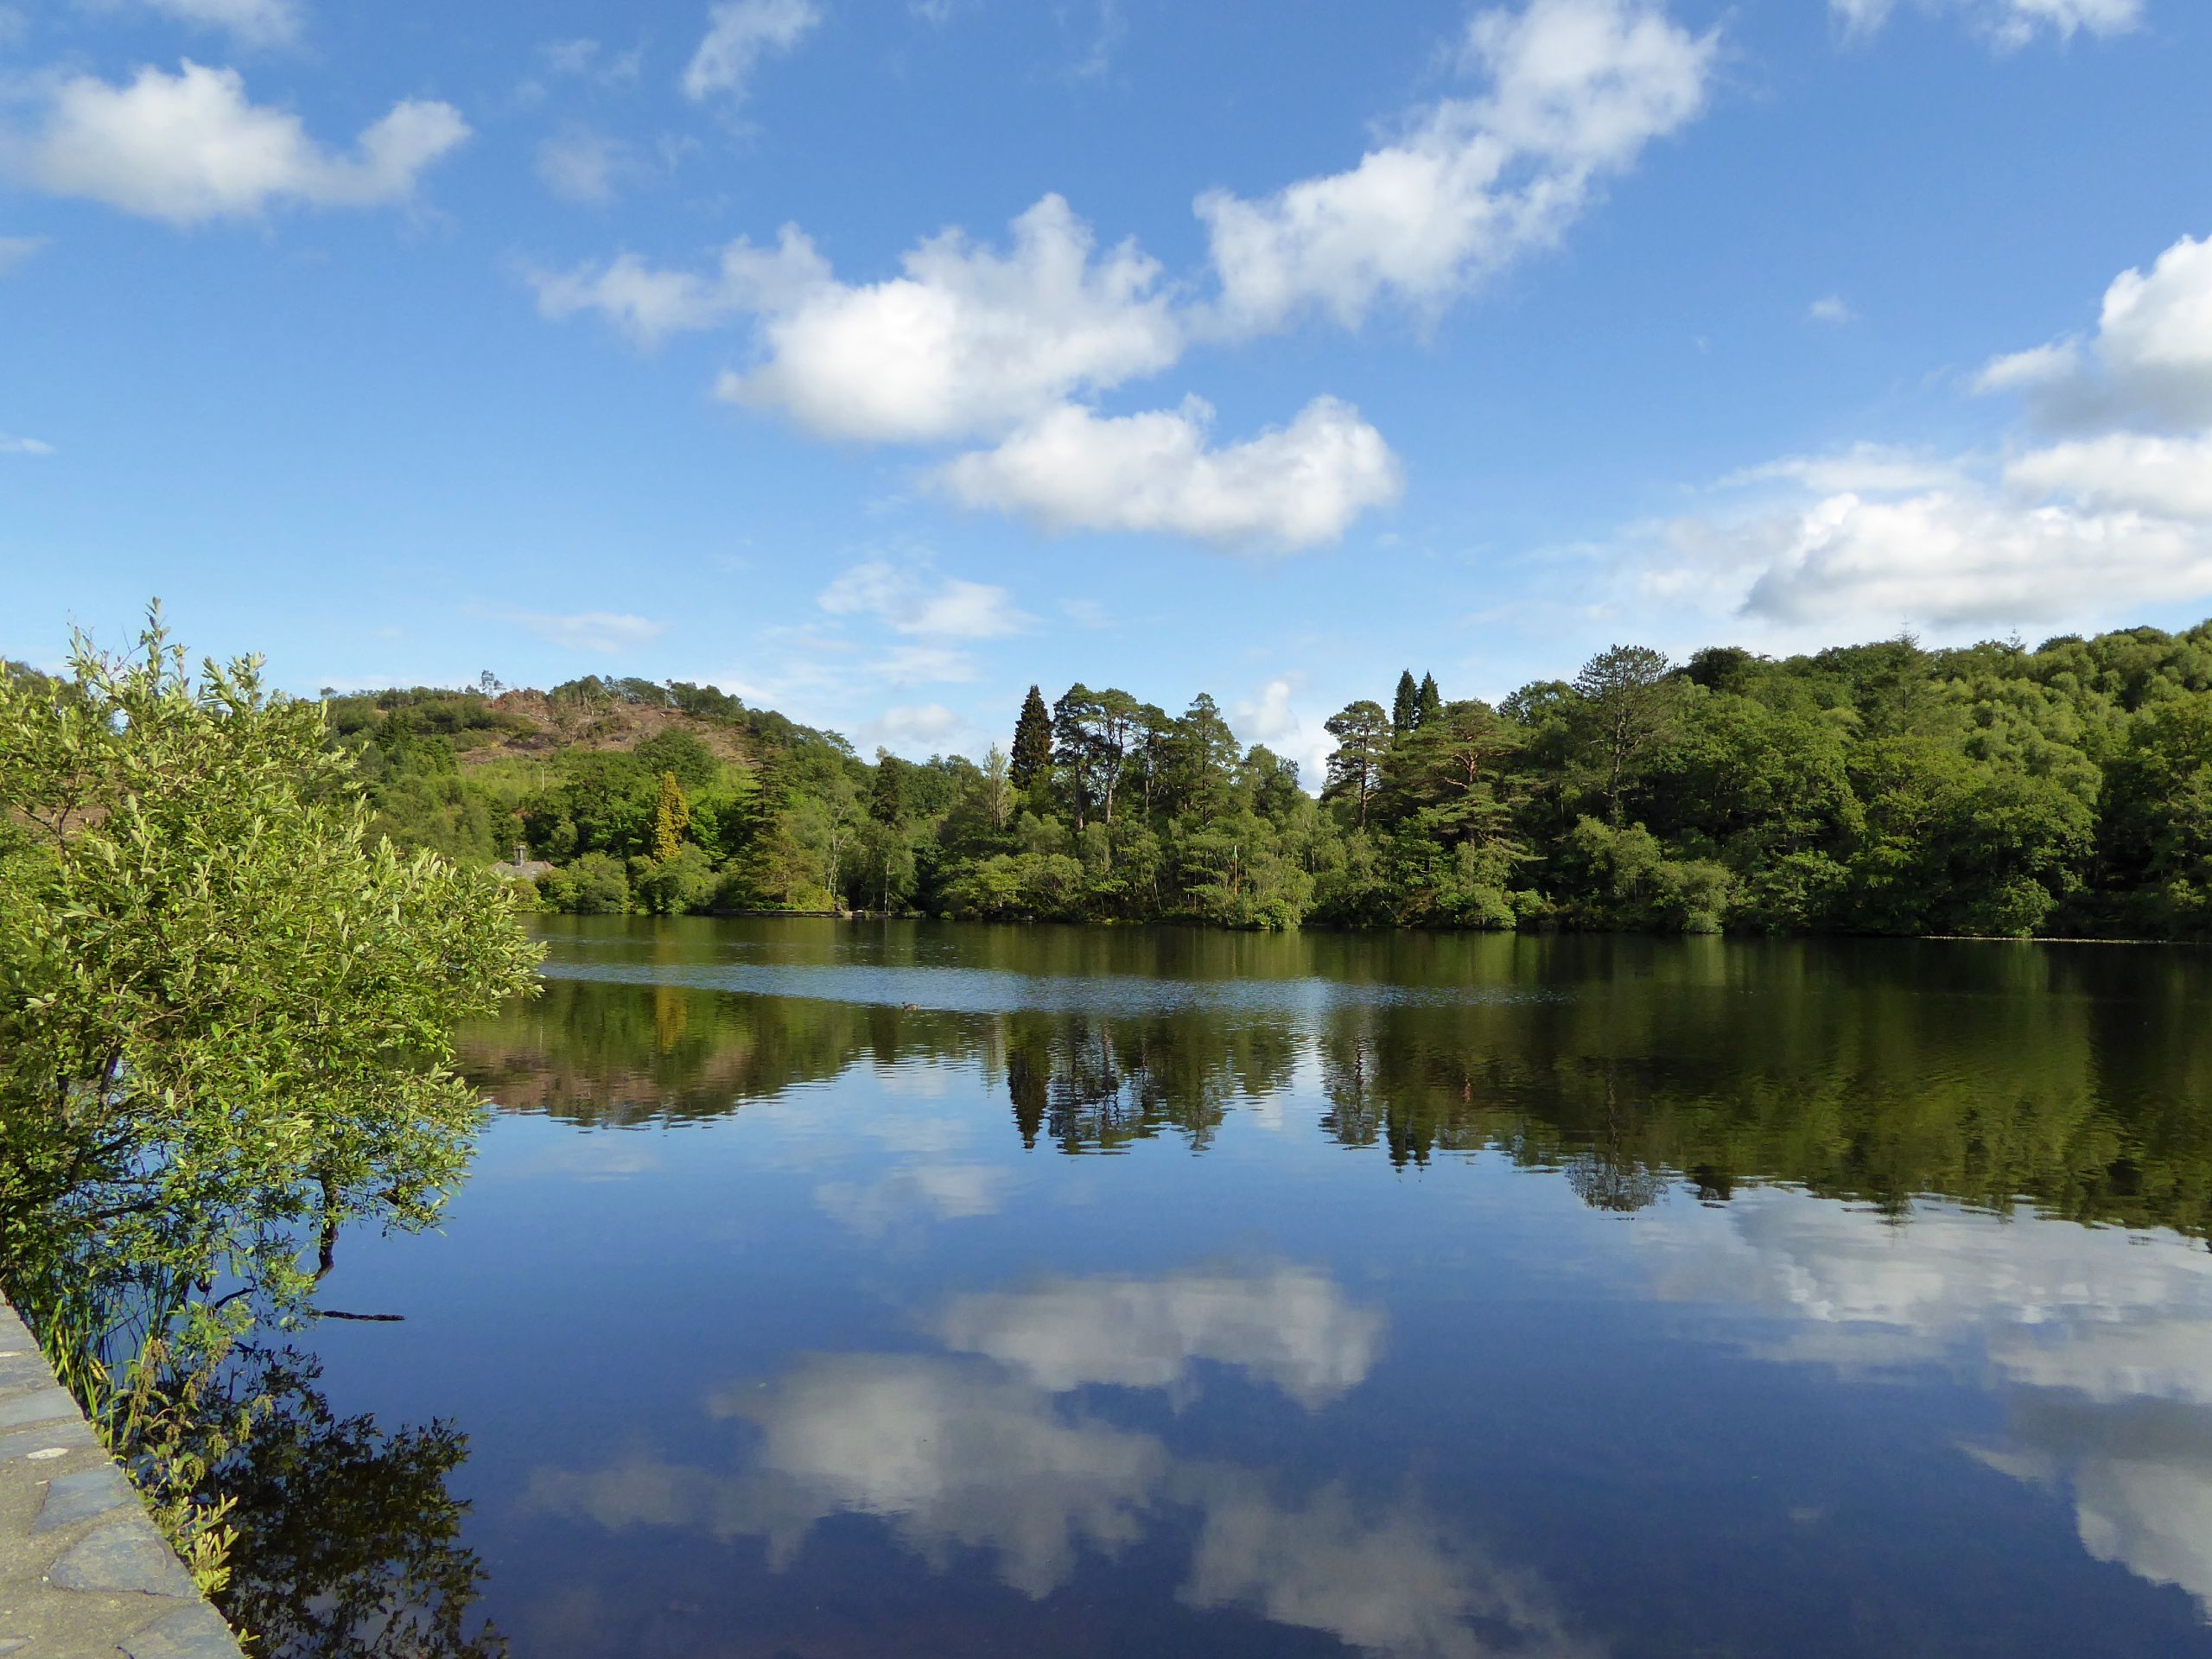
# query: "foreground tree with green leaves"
226,1021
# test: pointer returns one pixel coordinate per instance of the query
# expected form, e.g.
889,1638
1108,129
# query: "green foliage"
226,1019
1030,761
1878,788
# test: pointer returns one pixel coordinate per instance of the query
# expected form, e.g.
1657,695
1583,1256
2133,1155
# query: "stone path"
83,1572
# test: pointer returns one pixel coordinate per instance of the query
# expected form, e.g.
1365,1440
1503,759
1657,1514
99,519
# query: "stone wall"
84,1573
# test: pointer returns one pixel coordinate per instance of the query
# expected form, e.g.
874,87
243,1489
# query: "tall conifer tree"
1033,741
1429,702
1405,707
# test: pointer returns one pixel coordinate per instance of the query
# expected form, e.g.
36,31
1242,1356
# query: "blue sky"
875,358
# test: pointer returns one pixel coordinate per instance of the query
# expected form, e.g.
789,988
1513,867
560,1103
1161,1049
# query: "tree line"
1880,788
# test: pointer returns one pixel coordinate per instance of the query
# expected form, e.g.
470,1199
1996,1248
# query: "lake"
830,1289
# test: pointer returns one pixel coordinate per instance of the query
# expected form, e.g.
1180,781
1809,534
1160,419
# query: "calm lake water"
838,1290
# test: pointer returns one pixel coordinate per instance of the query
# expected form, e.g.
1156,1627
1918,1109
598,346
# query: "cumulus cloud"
601,630
1578,89
1294,486
1013,346
2149,362
2112,516
1935,560
1292,1328
967,341
2008,24
740,33
2169,477
14,446
190,147
911,601
1831,309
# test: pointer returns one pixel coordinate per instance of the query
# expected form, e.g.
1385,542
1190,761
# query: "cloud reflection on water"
987,1448
2099,1341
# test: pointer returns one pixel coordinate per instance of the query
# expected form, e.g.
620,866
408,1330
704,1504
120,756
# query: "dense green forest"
1878,789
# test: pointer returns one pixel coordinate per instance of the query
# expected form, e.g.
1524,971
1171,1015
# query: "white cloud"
2149,360
189,147
1935,560
2038,366
910,600
969,340
1578,89
740,33
12,446
1292,1328
1294,486
649,304
924,666
2091,528
1869,467
2124,471
1270,715
1831,309
13,250
252,23
2008,24
925,726
578,164
601,631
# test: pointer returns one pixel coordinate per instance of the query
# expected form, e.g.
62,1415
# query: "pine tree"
1405,707
1429,704
887,801
1032,758
671,817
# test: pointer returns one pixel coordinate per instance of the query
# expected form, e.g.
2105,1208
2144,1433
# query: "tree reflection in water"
1989,1078
348,1542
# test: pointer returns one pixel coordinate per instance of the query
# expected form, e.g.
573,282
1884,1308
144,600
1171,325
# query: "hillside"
1881,788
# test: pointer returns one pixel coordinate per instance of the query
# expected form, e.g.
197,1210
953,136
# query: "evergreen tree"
1428,703
887,802
1355,767
1405,707
1032,758
1625,692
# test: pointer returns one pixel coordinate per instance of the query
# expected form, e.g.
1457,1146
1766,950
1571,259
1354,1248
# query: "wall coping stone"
84,1572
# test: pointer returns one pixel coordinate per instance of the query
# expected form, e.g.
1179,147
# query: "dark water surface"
838,1290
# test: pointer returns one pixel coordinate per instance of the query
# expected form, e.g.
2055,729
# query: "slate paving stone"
191,1633
21,1369
122,1556
41,1445
72,1498
60,1492
46,1405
